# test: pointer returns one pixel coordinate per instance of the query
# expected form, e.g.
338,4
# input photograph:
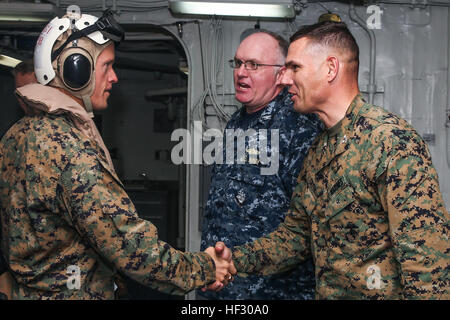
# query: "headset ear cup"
77,70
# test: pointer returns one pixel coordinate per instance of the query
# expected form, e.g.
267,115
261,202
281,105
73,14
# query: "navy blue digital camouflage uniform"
244,204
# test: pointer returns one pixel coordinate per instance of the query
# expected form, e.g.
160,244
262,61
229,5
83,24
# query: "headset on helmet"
68,47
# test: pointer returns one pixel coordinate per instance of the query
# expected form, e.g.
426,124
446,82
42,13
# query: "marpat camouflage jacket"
68,225
368,208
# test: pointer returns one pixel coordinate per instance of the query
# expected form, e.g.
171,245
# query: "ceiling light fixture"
8,61
244,8
29,12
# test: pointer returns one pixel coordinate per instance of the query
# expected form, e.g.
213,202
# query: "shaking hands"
224,266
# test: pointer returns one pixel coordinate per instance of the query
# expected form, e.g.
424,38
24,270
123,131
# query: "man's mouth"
243,86
294,95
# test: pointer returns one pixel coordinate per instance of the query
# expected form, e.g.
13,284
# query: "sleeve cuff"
206,273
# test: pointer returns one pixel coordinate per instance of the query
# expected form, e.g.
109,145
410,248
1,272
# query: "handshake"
225,268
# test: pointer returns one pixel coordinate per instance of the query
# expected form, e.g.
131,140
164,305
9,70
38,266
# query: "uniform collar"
266,114
343,129
348,122
345,126
50,100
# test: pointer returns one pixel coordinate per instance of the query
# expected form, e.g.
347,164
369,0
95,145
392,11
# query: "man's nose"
241,71
113,76
286,77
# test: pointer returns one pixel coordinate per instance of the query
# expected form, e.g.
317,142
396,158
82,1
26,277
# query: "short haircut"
282,43
26,66
331,34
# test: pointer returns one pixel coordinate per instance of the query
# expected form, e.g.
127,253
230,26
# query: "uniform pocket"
339,201
352,231
249,174
246,185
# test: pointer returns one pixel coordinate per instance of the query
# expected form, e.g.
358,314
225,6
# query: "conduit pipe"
371,87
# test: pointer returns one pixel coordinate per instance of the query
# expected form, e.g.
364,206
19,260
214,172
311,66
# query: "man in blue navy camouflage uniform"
244,203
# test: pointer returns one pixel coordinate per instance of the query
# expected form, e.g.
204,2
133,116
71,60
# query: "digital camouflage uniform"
63,210
4,283
244,204
368,208
3,266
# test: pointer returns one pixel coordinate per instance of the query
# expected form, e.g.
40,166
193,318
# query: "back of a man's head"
334,35
25,66
24,73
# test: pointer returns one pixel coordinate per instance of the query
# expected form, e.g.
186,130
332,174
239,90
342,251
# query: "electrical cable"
213,64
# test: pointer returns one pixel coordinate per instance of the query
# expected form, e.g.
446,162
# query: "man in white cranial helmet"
73,59
69,229
68,48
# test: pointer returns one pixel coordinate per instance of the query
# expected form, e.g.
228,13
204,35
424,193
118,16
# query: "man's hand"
224,266
6,284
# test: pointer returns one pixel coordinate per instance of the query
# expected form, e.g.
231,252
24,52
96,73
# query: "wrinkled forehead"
259,47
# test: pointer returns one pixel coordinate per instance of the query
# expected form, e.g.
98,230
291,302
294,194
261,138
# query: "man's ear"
332,64
280,75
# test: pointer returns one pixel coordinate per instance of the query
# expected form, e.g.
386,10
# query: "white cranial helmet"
67,50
